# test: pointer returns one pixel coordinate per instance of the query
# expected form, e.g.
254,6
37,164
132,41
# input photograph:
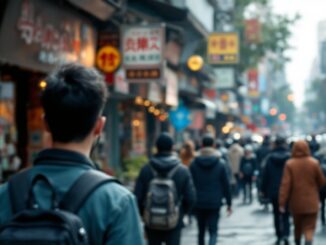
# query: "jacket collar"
62,157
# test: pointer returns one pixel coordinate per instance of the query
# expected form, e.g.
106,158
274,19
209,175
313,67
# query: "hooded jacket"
301,182
211,180
273,172
162,164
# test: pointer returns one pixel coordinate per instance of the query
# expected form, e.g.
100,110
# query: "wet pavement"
248,225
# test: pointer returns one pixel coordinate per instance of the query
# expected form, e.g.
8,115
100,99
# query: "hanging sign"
223,48
108,59
253,83
143,48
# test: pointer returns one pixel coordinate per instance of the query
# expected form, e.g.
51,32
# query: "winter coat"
273,172
211,180
262,153
236,153
301,182
248,165
163,163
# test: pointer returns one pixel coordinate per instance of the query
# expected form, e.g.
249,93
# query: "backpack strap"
18,186
83,187
173,171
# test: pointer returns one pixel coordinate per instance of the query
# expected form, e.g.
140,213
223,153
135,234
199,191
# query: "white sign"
225,78
120,83
171,88
154,93
142,48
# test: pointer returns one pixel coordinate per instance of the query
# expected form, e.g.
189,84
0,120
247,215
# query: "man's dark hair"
280,141
73,100
164,143
208,141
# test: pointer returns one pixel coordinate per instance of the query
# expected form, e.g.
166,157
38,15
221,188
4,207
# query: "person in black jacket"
248,167
212,184
271,181
163,162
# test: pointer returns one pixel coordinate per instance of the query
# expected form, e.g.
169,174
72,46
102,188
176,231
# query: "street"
249,224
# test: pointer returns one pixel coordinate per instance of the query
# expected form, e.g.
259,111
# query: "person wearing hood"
248,167
271,180
212,185
163,163
301,182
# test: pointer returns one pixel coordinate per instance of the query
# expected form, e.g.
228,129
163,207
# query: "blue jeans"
207,219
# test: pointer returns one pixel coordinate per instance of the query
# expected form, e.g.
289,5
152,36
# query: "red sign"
252,31
253,83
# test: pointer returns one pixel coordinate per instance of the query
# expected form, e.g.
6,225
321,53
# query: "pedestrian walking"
86,206
212,185
187,153
301,182
271,180
321,156
236,153
165,192
248,168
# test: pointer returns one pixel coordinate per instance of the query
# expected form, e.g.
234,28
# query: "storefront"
36,36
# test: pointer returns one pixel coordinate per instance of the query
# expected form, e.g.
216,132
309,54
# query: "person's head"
73,101
208,141
279,142
188,149
300,149
248,150
219,144
267,140
164,143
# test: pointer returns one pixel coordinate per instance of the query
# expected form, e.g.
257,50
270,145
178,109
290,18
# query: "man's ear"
46,125
100,124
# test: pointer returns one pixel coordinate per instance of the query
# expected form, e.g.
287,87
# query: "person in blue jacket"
73,102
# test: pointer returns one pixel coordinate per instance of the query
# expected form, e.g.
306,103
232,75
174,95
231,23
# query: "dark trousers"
281,221
156,237
247,188
207,219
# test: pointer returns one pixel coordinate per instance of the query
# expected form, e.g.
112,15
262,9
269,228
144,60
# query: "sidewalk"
249,225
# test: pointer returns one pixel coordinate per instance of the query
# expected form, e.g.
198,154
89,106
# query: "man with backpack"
165,192
62,199
271,182
212,185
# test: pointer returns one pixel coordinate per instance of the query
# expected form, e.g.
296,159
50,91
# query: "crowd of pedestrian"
64,199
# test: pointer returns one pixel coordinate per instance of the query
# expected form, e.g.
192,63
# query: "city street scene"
162,122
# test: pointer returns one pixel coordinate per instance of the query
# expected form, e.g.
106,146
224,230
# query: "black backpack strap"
83,187
18,186
173,171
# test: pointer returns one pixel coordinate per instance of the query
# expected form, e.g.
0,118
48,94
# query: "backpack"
59,225
162,206
248,168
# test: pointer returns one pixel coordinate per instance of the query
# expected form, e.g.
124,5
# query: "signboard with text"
225,78
142,48
253,83
223,48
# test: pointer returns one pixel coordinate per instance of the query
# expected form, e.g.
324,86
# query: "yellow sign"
108,59
223,48
195,63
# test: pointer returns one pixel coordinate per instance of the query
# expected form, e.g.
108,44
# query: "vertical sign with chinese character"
143,48
223,48
253,83
252,31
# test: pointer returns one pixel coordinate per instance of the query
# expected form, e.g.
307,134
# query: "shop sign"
154,93
108,59
253,83
223,48
225,78
171,88
40,35
197,119
120,83
252,31
180,118
143,48
195,63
